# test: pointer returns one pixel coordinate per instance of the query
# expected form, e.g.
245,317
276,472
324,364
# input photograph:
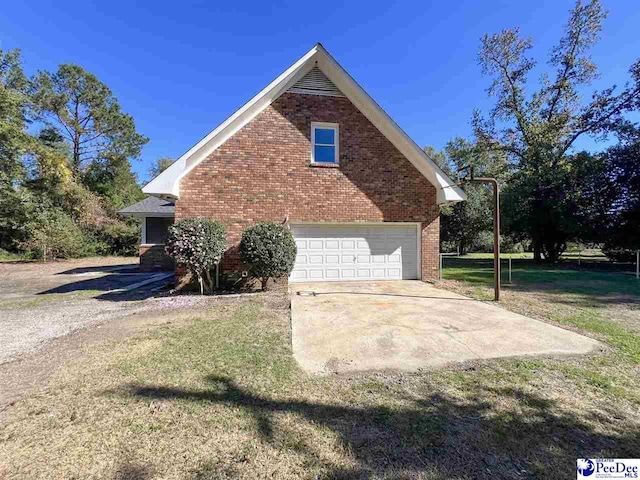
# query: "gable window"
324,143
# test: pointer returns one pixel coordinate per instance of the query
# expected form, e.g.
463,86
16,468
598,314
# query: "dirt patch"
43,301
19,279
19,376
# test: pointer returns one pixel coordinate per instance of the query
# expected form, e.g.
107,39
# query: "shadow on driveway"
112,285
123,268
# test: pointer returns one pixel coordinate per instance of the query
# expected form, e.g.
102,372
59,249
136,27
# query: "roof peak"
168,182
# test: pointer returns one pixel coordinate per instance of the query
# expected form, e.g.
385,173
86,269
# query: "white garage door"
355,252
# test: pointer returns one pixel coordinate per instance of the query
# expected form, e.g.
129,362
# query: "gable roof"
150,207
167,184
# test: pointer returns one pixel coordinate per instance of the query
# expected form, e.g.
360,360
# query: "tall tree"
87,114
159,166
463,222
537,128
111,178
13,109
14,141
622,214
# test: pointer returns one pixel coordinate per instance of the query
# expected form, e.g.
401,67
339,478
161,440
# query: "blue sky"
180,68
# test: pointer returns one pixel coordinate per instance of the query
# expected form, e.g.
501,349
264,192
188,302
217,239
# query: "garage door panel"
332,259
343,252
332,244
395,273
347,259
348,273
395,258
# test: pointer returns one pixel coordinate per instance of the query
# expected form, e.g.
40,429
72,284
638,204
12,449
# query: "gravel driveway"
40,302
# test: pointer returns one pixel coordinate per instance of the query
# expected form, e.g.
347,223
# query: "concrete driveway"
408,325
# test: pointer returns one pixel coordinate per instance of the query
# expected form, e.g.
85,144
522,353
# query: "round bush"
197,244
269,249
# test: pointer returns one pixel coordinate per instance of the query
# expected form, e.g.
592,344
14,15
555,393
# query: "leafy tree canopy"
159,166
537,127
87,114
13,121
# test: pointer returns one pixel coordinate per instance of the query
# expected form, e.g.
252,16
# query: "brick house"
314,151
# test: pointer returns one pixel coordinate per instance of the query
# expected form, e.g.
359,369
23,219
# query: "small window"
324,143
156,230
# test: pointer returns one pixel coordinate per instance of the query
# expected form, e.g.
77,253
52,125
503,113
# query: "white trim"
371,224
336,142
167,184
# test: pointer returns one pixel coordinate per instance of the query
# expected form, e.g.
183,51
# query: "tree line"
553,194
65,151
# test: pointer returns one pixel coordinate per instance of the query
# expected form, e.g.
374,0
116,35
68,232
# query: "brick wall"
152,258
262,173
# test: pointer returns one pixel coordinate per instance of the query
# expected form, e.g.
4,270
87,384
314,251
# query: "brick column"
431,249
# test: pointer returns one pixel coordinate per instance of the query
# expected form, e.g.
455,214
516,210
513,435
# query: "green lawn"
220,396
6,256
591,279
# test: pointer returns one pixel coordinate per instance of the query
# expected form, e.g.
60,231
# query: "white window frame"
325,126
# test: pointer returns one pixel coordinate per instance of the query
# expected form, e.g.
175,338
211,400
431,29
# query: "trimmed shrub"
197,244
270,251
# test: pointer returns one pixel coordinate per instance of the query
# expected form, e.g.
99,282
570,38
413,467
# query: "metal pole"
509,269
496,232
440,267
496,238
496,223
637,264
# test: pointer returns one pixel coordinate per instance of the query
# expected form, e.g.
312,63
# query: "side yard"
40,302
218,395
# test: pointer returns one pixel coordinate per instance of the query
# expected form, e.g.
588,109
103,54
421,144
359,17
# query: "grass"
588,255
220,396
6,256
593,280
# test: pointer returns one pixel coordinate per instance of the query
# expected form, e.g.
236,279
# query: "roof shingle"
148,207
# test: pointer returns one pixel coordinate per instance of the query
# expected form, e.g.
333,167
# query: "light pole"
469,177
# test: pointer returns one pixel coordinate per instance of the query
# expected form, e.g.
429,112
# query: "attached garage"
345,252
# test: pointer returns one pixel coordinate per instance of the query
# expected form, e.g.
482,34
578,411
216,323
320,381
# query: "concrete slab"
408,325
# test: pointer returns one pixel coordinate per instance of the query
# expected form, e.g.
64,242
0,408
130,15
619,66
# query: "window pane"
325,154
158,229
325,136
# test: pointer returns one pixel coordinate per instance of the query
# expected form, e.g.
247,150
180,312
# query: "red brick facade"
152,258
263,173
